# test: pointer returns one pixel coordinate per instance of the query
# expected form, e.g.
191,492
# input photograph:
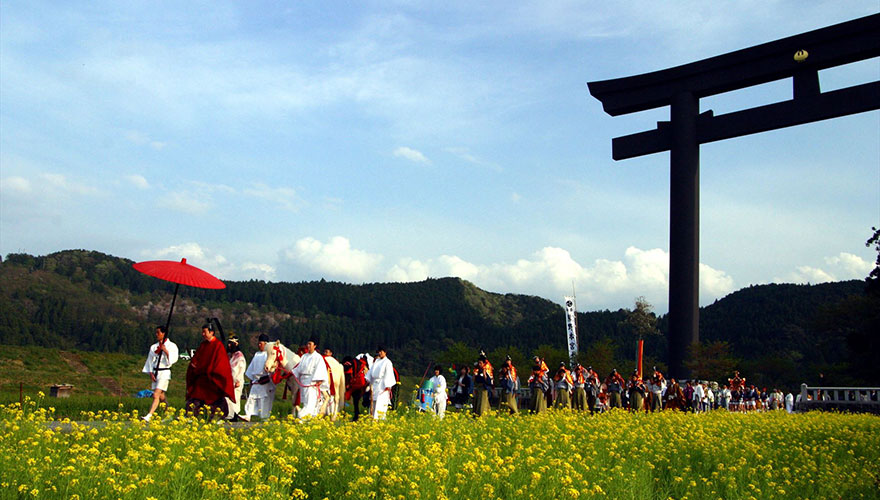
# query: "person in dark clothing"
462,389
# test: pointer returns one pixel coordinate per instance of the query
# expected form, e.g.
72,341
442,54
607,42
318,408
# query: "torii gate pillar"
684,228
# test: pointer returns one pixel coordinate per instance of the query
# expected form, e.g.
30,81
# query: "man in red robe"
209,377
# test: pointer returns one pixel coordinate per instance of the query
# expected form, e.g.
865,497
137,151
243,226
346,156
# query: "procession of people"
216,377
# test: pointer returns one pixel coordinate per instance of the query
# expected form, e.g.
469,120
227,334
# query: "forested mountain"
87,300
793,333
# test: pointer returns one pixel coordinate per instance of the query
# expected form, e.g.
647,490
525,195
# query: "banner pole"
640,352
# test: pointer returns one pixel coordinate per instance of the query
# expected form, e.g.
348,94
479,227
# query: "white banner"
571,329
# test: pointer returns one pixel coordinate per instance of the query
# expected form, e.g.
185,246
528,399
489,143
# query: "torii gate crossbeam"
798,57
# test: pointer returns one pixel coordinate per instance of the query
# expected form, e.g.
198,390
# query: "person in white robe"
438,385
262,393
311,375
238,365
162,355
381,379
699,394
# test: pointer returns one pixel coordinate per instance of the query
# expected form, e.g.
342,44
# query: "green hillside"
93,302
34,369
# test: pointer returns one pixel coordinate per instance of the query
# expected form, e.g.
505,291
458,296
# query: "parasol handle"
170,311
167,327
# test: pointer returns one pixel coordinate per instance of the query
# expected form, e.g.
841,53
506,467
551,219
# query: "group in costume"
215,378
320,385
581,389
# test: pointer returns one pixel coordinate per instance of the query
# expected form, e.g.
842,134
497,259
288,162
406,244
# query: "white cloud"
411,155
284,197
15,185
142,139
844,266
648,268
849,266
213,262
138,181
806,274
191,251
714,283
549,272
258,271
196,200
466,155
336,258
408,270
455,266
515,197
207,187
195,255
62,184
38,205
186,202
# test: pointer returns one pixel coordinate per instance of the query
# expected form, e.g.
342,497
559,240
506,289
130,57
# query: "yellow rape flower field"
411,455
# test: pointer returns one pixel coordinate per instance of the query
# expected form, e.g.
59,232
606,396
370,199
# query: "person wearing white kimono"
162,355
311,375
699,396
262,394
438,384
708,399
237,364
381,380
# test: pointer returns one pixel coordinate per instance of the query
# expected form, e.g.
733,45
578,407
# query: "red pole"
641,350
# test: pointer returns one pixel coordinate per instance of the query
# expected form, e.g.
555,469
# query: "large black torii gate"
799,57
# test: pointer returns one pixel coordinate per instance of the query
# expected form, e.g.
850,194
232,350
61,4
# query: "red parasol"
180,273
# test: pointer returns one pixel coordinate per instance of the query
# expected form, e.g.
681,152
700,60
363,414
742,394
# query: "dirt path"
111,385
72,359
75,363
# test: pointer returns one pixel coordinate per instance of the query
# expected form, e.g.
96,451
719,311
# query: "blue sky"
392,141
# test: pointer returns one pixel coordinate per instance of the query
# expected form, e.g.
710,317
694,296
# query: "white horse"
337,380
280,361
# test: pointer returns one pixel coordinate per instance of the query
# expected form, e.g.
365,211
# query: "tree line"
783,334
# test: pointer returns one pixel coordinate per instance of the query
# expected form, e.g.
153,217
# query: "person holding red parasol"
209,375
162,355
